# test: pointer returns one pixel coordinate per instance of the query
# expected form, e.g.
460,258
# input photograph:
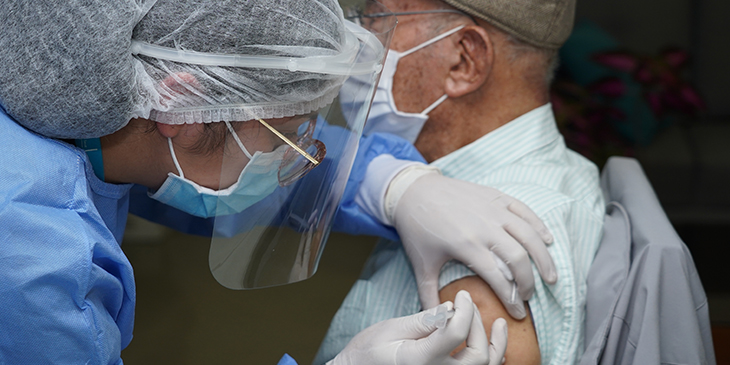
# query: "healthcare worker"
218,109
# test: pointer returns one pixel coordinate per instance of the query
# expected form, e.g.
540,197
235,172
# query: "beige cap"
542,23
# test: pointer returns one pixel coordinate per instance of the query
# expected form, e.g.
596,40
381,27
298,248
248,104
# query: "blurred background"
641,78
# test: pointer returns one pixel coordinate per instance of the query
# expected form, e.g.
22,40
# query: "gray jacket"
645,302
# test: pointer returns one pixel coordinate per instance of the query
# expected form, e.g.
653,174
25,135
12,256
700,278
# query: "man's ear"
476,51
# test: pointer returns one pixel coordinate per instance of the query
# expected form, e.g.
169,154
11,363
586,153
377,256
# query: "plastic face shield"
280,239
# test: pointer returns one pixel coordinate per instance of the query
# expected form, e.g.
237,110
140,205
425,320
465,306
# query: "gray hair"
520,49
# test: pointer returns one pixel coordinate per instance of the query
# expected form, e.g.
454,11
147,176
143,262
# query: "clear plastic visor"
273,230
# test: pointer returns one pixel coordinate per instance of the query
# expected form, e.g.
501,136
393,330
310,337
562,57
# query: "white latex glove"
411,341
440,218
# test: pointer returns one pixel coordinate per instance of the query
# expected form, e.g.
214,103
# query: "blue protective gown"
67,290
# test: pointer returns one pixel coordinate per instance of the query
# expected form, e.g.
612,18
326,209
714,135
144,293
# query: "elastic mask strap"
435,104
240,144
92,147
174,158
431,41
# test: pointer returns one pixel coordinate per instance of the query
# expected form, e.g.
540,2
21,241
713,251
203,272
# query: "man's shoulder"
549,179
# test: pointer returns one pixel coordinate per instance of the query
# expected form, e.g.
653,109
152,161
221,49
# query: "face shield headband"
224,87
342,63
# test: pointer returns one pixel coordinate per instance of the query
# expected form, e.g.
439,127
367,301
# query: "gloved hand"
412,341
439,218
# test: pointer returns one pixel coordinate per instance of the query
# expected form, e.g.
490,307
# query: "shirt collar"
503,145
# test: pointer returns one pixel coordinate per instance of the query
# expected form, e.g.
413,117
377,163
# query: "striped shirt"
527,159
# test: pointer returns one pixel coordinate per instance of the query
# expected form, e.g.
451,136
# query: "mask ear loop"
174,158
435,104
238,141
424,45
235,136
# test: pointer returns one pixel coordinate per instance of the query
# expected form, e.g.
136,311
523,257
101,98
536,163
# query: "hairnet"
68,71
288,29
65,67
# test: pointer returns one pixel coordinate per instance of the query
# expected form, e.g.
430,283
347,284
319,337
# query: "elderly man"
487,64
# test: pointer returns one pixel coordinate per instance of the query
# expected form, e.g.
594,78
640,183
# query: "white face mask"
384,115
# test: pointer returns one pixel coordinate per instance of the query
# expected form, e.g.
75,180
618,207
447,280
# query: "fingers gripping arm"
439,219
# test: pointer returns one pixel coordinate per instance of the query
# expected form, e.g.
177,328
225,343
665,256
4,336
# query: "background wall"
697,25
689,162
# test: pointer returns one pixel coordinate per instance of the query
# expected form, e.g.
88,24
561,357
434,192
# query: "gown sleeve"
67,290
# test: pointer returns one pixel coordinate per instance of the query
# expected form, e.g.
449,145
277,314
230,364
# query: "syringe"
440,318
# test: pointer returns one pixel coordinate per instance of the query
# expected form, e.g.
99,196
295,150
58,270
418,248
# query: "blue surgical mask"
257,181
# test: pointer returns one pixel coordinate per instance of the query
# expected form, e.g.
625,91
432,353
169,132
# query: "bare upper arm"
522,347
